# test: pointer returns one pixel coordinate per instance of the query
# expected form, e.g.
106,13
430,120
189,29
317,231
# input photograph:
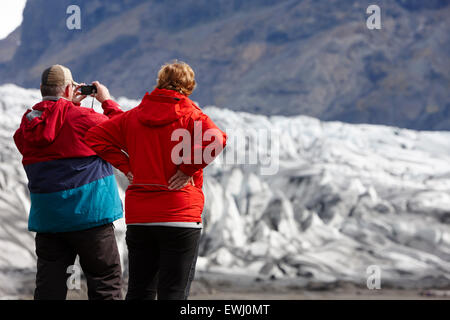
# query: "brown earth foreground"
220,287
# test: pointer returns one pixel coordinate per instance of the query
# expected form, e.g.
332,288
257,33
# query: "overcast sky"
10,16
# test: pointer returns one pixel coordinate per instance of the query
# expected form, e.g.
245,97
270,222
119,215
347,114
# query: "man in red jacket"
74,196
164,202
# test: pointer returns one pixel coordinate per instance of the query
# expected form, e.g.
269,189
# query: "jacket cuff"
188,170
109,104
124,169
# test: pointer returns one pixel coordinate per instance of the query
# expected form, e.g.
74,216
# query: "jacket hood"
163,106
42,124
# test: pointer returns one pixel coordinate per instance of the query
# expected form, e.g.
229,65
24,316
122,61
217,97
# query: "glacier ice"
345,197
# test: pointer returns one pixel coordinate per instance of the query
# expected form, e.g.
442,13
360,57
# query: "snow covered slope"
345,197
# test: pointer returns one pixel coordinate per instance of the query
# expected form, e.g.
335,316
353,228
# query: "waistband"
181,224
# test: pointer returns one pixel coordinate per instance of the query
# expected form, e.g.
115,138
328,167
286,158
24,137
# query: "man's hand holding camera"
96,89
78,95
102,92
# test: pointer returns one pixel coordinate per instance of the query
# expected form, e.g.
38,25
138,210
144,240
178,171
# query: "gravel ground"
209,286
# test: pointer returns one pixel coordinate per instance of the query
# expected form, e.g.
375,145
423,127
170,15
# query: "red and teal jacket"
71,188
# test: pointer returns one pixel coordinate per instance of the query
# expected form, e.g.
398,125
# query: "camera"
88,90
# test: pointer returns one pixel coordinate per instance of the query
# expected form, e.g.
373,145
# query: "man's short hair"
52,91
177,76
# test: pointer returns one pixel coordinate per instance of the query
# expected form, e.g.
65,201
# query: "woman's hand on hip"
179,180
130,177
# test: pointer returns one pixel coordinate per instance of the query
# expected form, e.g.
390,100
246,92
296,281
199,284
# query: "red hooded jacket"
142,141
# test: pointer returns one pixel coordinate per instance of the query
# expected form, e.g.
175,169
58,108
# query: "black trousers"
99,259
161,261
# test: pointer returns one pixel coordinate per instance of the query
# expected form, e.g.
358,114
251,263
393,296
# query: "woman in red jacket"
162,146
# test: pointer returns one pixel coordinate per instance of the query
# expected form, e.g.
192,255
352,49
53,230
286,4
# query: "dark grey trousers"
99,259
161,261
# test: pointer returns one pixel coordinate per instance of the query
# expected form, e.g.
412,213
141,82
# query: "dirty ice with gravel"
344,197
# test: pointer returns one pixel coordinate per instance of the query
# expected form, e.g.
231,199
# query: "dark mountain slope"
267,56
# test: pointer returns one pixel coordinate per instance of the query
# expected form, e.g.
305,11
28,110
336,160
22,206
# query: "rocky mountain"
338,198
273,57
9,45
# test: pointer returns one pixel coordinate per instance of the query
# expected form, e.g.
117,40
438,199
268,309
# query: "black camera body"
88,90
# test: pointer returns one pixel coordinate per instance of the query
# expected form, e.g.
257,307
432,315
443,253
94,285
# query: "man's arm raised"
110,107
107,140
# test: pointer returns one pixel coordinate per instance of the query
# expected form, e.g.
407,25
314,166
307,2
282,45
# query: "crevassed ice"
344,197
